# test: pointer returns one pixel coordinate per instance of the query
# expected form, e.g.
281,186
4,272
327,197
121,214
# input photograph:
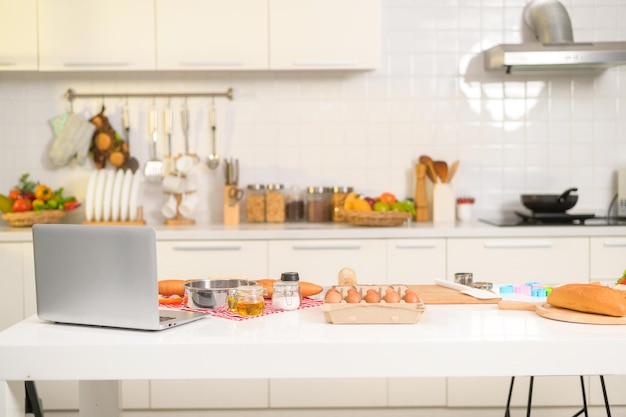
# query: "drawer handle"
415,246
211,64
515,245
7,64
325,63
95,64
620,244
207,248
326,247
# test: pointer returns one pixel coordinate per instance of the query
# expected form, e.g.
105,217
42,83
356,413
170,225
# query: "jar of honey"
249,300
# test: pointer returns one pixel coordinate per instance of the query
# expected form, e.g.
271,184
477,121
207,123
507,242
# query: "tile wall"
512,134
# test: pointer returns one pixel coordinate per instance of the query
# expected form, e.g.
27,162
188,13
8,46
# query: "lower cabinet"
416,261
607,256
13,264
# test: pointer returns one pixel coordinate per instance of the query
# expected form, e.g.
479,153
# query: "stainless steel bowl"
211,293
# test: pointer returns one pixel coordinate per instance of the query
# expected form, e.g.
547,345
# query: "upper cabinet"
324,34
212,34
18,35
91,35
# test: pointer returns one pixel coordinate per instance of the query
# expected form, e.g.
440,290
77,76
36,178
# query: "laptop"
100,276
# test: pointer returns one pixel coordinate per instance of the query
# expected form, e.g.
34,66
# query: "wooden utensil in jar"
453,168
430,169
441,169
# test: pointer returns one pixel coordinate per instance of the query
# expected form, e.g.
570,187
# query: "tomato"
22,205
71,205
14,194
388,198
173,300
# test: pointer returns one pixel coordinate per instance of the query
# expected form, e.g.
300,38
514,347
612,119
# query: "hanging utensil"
168,124
214,159
185,162
154,167
131,162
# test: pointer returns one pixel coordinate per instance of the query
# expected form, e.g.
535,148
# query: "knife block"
231,207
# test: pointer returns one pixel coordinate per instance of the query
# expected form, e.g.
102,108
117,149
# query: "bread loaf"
589,299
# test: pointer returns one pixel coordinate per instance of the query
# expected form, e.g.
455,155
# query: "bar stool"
507,412
33,402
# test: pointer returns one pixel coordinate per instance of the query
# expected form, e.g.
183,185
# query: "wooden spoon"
430,169
453,168
441,169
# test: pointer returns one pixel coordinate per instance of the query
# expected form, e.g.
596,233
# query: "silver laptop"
100,276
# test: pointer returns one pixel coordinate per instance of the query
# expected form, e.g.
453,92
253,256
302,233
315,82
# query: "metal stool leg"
507,411
530,396
582,390
606,398
32,399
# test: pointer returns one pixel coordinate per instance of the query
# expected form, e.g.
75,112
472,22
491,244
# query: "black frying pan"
550,203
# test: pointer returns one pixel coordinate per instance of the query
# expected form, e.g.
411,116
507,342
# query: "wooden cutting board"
435,294
561,314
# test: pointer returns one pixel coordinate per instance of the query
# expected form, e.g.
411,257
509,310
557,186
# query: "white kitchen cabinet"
325,34
213,394
18,35
416,392
328,393
606,255
12,261
203,259
520,260
212,34
89,35
319,261
416,261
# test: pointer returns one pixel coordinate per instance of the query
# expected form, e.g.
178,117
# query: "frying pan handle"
567,192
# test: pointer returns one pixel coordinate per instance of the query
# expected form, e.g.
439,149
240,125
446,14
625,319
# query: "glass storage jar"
286,293
275,203
294,205
318,204
339,196
255,203
249,300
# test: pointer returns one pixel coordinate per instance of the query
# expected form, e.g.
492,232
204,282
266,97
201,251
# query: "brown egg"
372,296
411,297
392,297
353,297
333,297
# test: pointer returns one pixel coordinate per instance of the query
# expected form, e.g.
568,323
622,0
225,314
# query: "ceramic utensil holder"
443,203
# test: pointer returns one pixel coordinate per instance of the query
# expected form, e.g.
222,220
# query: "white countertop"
450,340
263,231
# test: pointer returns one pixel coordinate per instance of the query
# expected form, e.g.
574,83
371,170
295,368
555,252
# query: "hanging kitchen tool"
131,162
213,160
168,124
186,161
154,167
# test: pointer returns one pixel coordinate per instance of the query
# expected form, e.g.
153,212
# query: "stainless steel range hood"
554,49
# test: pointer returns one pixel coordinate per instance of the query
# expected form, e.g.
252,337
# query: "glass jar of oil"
249,300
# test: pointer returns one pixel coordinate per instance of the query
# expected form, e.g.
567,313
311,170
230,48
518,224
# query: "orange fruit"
361,205
348,203
388,198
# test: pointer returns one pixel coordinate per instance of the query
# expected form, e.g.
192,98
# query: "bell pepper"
172,300
43,192
38,205
71,205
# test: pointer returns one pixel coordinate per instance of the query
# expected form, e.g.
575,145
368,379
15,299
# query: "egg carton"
373,313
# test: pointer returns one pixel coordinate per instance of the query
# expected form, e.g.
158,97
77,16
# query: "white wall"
513,134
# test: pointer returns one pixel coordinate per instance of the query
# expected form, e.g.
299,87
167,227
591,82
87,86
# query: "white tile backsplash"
513,134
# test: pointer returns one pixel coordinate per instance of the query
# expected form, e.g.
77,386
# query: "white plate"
89,197
108,194
134,196
117,195
97,201
128,180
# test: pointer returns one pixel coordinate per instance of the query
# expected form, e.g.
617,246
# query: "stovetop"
554,219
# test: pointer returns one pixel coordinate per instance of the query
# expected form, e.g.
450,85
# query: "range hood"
554,49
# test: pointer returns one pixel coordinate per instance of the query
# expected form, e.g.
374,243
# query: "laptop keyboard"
165,318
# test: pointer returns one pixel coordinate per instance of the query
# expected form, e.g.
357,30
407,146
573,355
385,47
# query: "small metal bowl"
211,293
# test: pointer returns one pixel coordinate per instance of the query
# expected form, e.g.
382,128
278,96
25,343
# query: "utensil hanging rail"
70,95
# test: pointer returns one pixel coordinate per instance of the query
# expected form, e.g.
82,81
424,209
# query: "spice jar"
294,205
339,197
286,293
318,204
255,203
249,300
464,208
275,203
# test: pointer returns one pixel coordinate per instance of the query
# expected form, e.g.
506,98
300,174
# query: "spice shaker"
286,293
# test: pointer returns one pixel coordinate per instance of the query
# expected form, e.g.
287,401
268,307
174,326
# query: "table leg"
12,394
99,399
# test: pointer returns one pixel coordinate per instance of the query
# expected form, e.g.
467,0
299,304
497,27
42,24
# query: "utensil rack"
70,95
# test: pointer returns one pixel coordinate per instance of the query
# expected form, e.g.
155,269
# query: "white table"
450,340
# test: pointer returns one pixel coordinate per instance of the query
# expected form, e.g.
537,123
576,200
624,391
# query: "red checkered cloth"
225,313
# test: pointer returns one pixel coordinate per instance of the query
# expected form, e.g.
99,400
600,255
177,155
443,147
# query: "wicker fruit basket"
28,218
376,218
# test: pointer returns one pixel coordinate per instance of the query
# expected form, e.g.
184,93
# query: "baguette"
589,299
307,288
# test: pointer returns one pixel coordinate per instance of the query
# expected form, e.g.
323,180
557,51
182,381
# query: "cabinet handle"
325,63
211,64
520,245
95,64
207,248
415,246
7,64
620,244
346,246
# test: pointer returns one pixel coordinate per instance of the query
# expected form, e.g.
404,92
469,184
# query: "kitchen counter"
264,231
450,340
